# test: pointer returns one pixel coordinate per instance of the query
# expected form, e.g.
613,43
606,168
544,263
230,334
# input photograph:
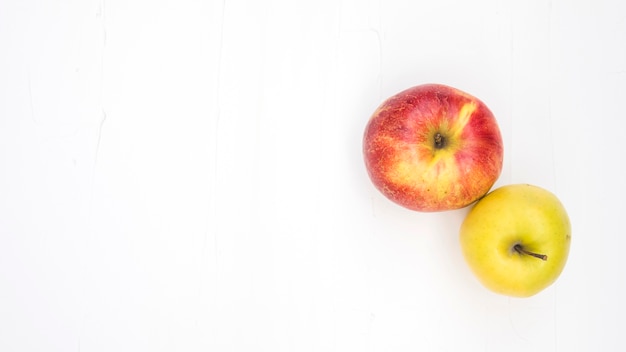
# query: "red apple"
433,148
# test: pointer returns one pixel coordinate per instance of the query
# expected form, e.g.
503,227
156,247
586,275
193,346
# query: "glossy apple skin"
404,162
516,214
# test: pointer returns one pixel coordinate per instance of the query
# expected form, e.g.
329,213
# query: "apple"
433,148
516,239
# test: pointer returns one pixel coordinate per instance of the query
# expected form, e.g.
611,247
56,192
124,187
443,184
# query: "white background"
187,175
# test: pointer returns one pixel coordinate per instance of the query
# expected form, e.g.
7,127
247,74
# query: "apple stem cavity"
519,249
440,141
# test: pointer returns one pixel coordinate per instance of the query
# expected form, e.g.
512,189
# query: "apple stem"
439,140
519,249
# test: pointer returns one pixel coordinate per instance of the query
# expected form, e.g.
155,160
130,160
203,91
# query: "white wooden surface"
187,175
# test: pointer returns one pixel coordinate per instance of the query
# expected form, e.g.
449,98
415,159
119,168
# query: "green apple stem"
519,249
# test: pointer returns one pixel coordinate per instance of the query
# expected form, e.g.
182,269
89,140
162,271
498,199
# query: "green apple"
516,239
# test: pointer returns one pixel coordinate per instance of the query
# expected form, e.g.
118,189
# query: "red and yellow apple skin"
433,148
